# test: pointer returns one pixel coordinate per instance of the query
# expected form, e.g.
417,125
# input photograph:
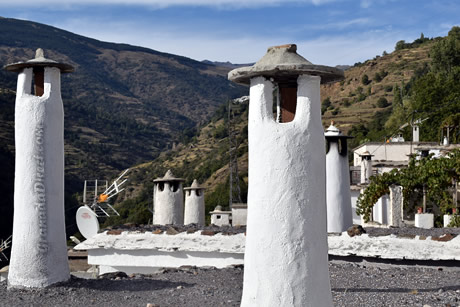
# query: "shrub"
388,88
455,221
365,79
382,102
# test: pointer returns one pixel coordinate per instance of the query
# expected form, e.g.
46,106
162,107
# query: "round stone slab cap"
283,63
39,61
334,132
169,176
195,186
366,153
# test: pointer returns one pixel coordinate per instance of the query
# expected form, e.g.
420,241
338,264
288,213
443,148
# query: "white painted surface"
446,219
395,216
381,210
143,252
169,205
4,273
385,151
166,243
139,259
39,250
286,261
221,218
194,207
103,269
392,247
424,220
87,222
338,197
239,215
354,198
366,170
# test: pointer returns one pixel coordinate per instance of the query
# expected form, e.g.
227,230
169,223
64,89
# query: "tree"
445,54
382,102
365,79
400,45
325,105
435,175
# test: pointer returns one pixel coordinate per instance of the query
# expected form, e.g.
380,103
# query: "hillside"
355,103
123,106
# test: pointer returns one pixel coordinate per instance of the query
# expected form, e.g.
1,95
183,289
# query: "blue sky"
327,32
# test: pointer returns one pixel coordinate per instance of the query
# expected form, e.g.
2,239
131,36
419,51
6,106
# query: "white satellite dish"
87,222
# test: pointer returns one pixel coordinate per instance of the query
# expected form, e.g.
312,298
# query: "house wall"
239,216
384,151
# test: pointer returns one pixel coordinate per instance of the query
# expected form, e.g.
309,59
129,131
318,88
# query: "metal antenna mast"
235,191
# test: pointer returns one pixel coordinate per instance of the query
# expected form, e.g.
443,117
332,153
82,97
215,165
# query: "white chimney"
286,257
39,249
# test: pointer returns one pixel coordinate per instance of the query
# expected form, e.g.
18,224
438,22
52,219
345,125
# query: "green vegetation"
400,45
382,102
455,221
365,79
379,76
325,105
433,94
433,175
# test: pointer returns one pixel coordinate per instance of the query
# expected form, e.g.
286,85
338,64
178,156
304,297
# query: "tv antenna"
99,201
96,196
4,245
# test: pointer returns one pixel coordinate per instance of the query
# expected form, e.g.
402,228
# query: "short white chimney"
194,204
366,167
168,200
338,198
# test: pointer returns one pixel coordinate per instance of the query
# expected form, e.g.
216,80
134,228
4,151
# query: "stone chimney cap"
366,153
169,176
39,61
334,132
283,63
195,186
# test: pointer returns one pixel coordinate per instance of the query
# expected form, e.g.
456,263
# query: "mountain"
123,105
225,64
362,102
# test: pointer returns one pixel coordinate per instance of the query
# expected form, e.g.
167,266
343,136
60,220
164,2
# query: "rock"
355,230
157,231
114,232
208,233
171,231
113,275
444,238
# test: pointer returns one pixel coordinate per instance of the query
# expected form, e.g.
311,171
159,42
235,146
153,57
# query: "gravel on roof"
352,285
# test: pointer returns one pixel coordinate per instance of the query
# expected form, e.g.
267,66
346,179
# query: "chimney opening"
288,101
39,81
